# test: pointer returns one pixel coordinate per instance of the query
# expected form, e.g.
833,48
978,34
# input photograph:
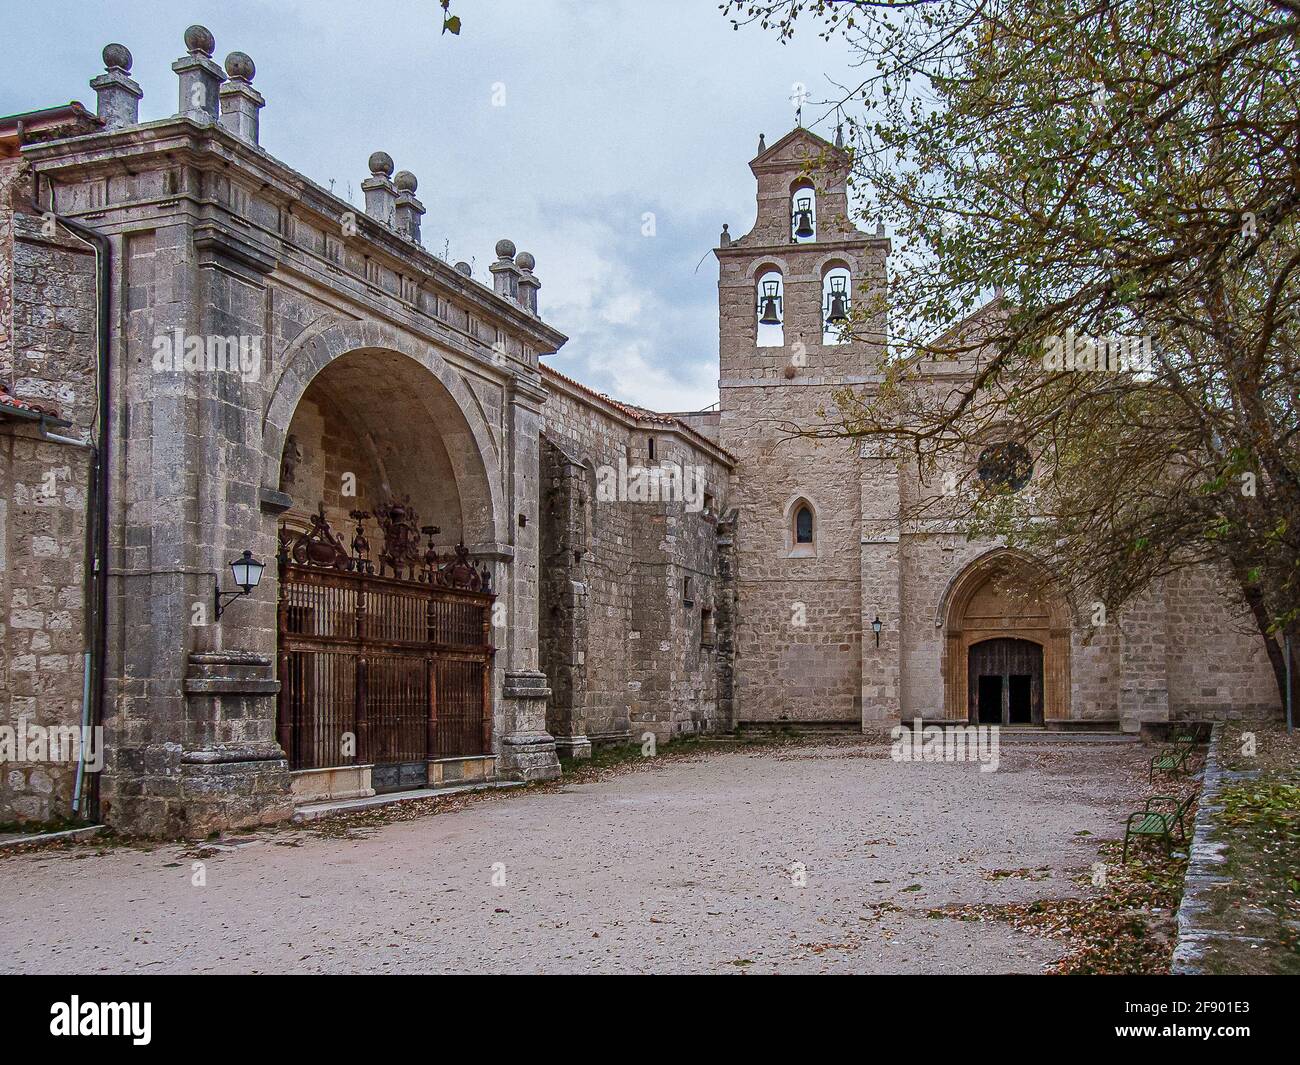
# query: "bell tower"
816,541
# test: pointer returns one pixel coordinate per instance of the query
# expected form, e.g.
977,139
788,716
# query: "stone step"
316,810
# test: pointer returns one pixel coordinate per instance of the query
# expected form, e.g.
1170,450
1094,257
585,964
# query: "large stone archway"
360,426
1005,595
382,362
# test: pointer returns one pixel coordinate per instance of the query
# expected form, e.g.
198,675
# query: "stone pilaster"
881,587
1144,670
725,620
232,771
527,750
564,616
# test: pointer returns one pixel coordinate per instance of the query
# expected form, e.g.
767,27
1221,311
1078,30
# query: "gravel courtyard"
686,864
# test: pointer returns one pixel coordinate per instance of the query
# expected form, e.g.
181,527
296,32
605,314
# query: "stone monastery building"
472,564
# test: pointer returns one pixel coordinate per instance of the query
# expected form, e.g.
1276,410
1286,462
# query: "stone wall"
1215,659
47,355
648,661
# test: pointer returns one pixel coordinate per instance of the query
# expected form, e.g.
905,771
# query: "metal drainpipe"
87,657
97,505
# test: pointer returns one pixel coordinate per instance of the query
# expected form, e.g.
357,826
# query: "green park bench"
1171,760
1150,822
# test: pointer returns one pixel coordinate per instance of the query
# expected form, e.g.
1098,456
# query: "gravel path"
684,865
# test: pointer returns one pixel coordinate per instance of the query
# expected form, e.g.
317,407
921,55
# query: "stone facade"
805,648
276,353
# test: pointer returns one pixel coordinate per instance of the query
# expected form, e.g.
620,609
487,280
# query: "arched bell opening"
803,212
769,302
837,304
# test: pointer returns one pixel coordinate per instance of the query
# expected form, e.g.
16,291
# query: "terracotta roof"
638,414
12,406
65,120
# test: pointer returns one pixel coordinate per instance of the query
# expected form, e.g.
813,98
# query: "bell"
839,313
803,224
770,315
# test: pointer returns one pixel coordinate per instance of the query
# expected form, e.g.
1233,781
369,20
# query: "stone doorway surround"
1005,594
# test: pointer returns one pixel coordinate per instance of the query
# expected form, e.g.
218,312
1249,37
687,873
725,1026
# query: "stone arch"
471,446
831,260
1005,593
769,262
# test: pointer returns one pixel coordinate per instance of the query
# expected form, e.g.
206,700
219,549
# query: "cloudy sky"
613,109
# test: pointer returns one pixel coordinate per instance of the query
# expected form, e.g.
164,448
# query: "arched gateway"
384,620
1007,643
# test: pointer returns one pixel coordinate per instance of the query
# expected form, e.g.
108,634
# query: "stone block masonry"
47,357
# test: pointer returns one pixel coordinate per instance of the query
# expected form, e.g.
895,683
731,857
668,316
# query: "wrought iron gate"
389,670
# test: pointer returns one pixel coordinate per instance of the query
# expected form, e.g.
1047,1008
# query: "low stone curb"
46,837
316,810
1206,858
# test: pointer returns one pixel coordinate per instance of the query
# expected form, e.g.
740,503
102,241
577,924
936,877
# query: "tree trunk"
1254,597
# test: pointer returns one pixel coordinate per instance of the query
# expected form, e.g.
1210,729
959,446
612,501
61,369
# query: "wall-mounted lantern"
247,572
875,627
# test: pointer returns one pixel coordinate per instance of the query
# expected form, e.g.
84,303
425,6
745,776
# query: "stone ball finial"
505,249
381,164
405,181
199,41
117,57
526,260
240,65
463,267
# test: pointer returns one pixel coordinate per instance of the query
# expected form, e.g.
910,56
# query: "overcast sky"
613,108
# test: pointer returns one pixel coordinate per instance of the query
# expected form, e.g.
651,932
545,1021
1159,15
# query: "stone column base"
227,772
527,749
573,746
164,790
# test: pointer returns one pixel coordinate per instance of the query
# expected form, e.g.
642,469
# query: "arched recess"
1005,594
431,414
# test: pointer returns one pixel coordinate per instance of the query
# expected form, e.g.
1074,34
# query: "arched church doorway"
1005,682
1006,643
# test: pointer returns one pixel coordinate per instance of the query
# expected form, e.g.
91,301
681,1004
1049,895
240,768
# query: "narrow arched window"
769,302
803,214
651,448
803,524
